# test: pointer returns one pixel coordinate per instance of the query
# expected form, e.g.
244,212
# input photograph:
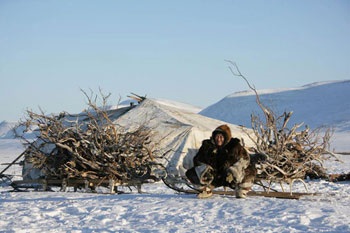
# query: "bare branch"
292,154
92,147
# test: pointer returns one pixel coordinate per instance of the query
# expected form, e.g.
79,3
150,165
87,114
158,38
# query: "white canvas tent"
177,130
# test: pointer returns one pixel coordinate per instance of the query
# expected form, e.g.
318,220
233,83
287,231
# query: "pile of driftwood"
90,148
291,154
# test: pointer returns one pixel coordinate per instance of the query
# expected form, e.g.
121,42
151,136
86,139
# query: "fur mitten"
205,174
234,175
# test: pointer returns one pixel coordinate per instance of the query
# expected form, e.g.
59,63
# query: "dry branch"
92,147
292,154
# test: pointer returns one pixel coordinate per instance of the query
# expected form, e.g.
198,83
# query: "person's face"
219,139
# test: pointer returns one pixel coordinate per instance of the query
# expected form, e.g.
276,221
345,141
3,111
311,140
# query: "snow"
317,105
5,128
271,91
160,209
175,104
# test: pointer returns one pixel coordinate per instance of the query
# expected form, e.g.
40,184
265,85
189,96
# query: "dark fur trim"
225,130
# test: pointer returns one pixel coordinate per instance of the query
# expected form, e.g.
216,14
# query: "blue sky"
50,50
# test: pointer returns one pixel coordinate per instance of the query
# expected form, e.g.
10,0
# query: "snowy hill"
319,104
6,131
5,128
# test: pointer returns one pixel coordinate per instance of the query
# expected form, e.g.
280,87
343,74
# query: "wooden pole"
13,162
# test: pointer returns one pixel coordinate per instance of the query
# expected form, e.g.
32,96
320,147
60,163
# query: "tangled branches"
291,153
88,146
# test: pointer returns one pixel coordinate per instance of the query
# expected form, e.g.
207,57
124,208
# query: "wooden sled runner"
284,195
63,184
178,186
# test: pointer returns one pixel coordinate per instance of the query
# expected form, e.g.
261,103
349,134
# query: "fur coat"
231,157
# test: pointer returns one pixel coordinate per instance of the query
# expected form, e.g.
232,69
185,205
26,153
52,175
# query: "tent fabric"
177,132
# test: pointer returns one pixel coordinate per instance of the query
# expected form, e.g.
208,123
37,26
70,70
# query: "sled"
63,184
180,185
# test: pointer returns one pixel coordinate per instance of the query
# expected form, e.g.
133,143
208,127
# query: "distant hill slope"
7,131
6,128
318,104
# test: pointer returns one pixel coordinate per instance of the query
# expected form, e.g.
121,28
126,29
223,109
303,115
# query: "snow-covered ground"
160,209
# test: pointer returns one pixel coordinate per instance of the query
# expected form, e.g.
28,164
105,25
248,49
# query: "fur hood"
223,129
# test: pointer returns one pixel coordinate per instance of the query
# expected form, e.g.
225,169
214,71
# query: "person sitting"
222,161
